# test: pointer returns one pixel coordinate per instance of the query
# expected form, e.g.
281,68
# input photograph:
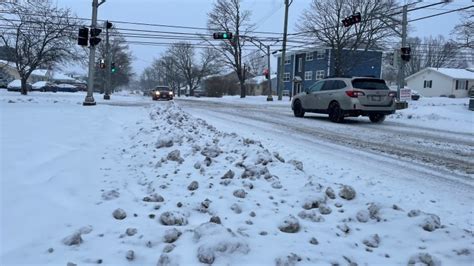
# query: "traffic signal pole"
108,63
402,65
90,83
283,53
269,97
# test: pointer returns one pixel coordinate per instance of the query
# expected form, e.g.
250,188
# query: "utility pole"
269,97
283,53
90,84
108,62
402,65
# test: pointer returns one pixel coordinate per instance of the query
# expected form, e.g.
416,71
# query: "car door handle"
330,94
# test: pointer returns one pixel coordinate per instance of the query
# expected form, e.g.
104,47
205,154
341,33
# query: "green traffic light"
224,35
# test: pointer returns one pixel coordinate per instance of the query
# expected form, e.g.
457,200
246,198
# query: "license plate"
376,98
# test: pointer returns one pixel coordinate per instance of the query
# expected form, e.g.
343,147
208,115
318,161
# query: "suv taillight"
355,94
392,94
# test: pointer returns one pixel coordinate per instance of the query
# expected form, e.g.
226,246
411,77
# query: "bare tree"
184,56
432,52
163,71
40,34
322,21
120,55
227,15
256,62
464,32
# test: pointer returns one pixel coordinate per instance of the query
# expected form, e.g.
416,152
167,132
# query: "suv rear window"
369,84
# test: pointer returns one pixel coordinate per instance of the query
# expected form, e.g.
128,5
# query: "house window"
320,54
286,76
300,64
287,60
461,84
320,74
309,56
308,75
427,84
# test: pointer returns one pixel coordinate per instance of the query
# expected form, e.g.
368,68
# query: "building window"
461,84
308,75
286,76
427,84
320,54
287,60
300,64
320,74
309,56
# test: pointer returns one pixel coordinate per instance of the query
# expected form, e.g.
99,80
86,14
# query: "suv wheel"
335,113
298,110
377,118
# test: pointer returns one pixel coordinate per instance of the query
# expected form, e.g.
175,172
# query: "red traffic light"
352,19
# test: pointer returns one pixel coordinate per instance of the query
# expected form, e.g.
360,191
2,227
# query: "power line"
442,13
374,18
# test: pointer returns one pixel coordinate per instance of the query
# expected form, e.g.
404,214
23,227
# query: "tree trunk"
24,89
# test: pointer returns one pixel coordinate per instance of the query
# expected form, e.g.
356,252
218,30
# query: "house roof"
454,73
40,72
61,76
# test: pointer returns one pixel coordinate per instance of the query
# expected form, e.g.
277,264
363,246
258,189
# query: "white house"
434,82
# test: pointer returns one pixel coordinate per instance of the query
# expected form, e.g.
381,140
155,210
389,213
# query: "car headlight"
157,92
171,93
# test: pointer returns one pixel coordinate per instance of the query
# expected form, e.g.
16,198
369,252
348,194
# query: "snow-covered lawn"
152,185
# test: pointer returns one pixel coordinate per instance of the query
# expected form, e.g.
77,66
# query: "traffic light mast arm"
259,44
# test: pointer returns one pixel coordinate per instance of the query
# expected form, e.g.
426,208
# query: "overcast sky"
267,14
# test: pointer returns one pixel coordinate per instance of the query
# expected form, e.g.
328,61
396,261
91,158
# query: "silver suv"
343,97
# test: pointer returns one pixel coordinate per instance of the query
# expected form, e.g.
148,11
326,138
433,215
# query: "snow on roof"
7,63
14,83
455,73
39,84
40,72
61,76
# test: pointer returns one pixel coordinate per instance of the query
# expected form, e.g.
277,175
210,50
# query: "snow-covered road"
440,153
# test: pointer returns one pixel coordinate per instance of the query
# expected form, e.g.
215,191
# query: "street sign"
405,94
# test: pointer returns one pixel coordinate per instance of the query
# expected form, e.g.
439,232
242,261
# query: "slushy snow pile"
181,192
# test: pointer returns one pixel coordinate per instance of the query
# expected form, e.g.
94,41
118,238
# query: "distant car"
162,93
44,86
15,85
66,88
345,97
415,96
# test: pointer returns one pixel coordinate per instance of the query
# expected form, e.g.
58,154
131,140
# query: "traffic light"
266,73
82,38
222,35
102,63
94,40
352,19
108,24
405,53
113,69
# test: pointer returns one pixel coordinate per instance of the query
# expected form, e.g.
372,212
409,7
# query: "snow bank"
186,193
